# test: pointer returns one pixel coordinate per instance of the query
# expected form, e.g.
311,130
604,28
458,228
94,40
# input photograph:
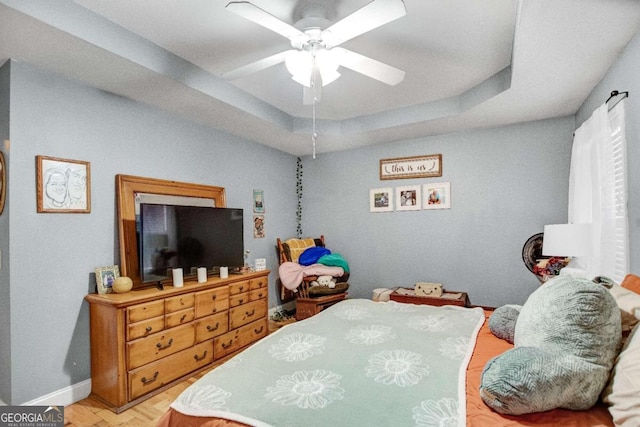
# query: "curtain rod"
615,93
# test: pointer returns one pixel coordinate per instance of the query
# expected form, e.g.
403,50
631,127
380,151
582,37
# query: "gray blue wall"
506,184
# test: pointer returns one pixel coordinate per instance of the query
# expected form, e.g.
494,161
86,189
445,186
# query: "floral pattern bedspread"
357,363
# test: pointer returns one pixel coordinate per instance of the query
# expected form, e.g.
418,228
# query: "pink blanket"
291,273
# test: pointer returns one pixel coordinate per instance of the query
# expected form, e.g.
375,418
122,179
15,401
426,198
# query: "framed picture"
381,199
105,276
258,201
408,198
411,167
437,195
258,226
63,186
3,181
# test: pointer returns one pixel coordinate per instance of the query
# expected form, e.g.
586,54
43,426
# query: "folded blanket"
291,273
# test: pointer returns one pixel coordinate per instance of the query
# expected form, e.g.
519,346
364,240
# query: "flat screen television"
188,237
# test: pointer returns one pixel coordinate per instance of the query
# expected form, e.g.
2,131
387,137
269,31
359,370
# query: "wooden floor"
90,412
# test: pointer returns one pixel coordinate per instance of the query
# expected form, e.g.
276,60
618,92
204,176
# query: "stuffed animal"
566,338
426,289
327,281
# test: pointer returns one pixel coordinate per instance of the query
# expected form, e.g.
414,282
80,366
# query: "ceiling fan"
315,56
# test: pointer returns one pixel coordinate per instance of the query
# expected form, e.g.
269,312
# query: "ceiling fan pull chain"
314,135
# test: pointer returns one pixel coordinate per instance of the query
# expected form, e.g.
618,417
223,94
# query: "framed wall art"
411,167
408,198
105,276
258,201
437,195
63,186
381,199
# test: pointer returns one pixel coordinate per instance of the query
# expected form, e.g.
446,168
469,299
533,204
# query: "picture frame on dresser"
105,276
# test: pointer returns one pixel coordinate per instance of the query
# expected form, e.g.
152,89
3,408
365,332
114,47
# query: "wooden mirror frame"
127,187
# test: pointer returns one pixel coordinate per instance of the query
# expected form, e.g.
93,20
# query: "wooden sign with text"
411,167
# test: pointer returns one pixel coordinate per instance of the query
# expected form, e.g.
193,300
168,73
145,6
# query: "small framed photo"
258,201
381,199
258,226
437,195
105,276
63,186
408,198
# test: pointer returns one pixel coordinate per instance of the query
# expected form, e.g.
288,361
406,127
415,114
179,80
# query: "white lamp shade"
567,240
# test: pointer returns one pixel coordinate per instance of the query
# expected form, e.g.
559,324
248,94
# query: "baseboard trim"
63,397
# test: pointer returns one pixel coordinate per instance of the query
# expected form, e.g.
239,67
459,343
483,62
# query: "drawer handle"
241,300
241,288
162,347
214,296
258,331
184,316
148,329
146,381
260,295
215,328
214,309
195,356
226,346
250,314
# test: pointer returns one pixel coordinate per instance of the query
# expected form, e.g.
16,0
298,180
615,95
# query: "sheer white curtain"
597,191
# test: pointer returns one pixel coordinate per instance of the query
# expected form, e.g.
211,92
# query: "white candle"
177,278
224,272
202,274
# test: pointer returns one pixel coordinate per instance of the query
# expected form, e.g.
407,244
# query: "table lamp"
567,240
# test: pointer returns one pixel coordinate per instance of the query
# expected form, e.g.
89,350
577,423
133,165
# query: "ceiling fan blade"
254,13
373,15
256,66
369,67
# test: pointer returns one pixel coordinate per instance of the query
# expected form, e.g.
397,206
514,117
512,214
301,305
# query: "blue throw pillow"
312,255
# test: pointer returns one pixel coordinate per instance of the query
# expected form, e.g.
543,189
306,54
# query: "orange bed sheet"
478,414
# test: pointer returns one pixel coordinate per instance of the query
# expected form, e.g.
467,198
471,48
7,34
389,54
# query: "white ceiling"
468,63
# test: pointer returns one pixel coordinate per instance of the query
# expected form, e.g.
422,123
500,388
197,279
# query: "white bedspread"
358,363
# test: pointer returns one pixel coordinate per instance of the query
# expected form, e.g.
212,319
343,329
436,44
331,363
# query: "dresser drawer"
239,287
257,294
145,328
139,312
159,345
241,337
179,317
157,374
212,301
247,313
239,299
212,326
179,302
259,283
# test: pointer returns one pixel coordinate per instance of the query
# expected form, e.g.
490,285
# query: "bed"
402,364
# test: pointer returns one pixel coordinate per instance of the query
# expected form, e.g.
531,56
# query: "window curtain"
597,191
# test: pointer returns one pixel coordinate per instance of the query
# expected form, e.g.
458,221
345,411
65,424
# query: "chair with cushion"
301,262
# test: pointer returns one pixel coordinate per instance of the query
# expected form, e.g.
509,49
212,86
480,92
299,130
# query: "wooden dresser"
147,340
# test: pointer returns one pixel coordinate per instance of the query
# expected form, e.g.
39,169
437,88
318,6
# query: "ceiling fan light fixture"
300,64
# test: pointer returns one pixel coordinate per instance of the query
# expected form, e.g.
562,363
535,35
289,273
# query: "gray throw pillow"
567,336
